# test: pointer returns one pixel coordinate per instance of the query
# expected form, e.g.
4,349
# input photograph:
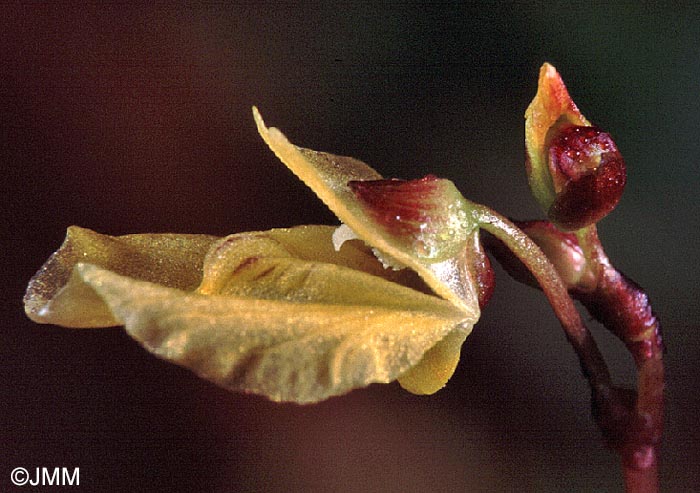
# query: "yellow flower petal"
291,349
437,365
277,313
328,176
54,296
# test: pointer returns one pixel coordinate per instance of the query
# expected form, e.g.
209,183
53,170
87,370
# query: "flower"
283,313
575,170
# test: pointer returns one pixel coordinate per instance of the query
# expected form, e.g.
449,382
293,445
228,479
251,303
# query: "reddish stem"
624,308
631,422
592,362
641,480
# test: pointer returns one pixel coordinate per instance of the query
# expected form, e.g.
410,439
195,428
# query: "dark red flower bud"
575,171
588,173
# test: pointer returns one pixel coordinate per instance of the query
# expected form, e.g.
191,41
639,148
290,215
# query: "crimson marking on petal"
403,207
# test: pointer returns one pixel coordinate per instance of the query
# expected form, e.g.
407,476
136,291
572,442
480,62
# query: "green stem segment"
592,362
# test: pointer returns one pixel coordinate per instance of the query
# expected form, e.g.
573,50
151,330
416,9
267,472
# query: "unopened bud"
575,170
588,173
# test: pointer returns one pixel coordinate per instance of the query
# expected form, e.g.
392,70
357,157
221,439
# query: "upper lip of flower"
329,177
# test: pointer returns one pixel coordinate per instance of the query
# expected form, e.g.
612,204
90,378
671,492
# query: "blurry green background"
126,118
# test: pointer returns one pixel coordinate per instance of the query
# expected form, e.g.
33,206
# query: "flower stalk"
527,251
624,308
631,422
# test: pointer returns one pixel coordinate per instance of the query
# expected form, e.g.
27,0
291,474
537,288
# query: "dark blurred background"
126,118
